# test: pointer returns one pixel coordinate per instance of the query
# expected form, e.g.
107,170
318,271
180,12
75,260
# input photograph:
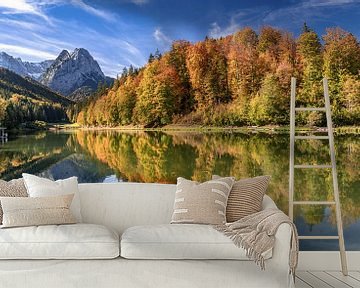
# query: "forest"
239,80
24,100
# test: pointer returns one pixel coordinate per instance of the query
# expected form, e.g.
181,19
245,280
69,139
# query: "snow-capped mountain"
23,68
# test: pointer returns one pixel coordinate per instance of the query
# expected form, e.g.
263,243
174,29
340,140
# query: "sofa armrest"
282,246
280,257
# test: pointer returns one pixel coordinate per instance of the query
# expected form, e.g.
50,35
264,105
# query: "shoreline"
189,128
200,128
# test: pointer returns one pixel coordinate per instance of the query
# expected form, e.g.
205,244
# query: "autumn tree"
271,105
207,68
287,65
245,69
341,61
177,58
3,106
341,54
126,100
350,93
157,94
310,54
269,46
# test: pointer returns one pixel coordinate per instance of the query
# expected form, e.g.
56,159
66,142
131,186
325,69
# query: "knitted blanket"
256,234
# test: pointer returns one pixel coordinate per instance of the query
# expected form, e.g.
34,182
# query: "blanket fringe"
256,235
239,242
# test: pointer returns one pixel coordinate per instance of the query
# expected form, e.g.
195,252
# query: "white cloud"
22,24
139,2
240,18
161,38
296,14
20,51
95,11
18,6
21,7
325,3
37,7
216,31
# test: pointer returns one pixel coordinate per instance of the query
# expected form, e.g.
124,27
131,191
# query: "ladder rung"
313,166
310,109
312,137
318,237
314,202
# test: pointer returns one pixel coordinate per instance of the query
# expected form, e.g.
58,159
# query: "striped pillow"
246,197
201,203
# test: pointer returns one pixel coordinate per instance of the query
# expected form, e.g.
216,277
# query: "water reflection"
108,156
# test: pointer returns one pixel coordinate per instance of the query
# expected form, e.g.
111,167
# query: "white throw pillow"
181,241
42,187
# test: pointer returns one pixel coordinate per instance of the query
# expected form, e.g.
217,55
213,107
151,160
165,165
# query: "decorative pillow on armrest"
13,188
201,203
26,211
246,197
42,187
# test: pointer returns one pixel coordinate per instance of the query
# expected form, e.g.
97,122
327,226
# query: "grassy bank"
200,128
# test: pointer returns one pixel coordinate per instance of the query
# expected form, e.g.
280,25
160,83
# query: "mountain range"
24,68
12,83
25,100
74,75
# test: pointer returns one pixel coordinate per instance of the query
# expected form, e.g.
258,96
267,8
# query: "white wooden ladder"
293,166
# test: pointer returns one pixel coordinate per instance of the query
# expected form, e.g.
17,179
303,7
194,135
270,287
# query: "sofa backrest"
122,205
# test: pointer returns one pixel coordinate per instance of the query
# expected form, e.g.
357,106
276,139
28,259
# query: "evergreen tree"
157,54
151,58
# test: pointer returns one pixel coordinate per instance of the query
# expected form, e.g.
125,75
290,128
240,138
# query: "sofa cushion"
181,241
42,187
74,241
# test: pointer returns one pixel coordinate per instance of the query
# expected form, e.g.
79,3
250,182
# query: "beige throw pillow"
201,203
13,188
246,197
27,211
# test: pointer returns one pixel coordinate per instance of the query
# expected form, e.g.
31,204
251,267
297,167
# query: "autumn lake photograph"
155,92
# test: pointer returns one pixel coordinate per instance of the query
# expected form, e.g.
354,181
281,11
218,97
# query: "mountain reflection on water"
110,156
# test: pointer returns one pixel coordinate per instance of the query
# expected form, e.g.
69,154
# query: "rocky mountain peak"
64,54
71,71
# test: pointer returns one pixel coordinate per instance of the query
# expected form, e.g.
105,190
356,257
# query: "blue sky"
122,32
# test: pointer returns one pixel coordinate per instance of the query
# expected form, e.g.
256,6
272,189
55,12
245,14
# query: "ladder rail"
334,178
292,166
292,149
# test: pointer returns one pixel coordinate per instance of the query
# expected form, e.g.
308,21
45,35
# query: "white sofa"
118,207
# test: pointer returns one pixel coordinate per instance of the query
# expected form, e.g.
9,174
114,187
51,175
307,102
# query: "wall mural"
150,90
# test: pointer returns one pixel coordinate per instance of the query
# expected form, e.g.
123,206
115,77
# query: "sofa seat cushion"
74,241
180,241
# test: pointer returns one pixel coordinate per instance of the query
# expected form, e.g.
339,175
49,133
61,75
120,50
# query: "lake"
139,156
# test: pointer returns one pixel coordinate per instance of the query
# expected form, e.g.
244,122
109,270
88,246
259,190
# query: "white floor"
327,279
